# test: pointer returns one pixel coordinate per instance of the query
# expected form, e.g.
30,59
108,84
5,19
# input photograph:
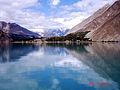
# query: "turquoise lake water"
93,66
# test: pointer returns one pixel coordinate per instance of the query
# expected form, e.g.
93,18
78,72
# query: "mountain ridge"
88,20
54,32
13,31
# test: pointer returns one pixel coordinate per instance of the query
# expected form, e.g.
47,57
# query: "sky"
37,15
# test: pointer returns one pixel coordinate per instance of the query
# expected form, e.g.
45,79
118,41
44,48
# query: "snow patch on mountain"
53,32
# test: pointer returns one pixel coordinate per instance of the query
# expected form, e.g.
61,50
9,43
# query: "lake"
85,66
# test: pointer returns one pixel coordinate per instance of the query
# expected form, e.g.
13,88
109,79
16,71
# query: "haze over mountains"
104,25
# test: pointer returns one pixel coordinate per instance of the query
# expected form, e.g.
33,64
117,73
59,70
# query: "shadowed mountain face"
104,58
15,32
103,25
3,36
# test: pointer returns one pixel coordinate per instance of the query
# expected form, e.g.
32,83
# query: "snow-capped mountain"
53,32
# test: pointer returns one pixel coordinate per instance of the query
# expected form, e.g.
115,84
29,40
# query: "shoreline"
62,42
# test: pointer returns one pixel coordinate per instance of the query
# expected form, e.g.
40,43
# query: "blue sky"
37,15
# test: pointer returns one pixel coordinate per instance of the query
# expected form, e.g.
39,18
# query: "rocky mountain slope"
109,31
13,31
104,25
85,25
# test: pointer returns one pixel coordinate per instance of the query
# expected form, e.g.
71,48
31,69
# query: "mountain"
54,32
14,31
109,31
86,24
104,24
3,36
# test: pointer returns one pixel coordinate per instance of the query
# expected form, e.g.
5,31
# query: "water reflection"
4,53
104,58
12,52
90,66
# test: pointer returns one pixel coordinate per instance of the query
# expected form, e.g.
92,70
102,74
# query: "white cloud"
55,2
71,21
14,11
73,14
17,3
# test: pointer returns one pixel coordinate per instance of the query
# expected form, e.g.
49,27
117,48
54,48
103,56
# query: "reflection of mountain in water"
13,52
79,48
48,50
60,66
103,58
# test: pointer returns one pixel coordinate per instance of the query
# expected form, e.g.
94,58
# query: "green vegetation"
79,36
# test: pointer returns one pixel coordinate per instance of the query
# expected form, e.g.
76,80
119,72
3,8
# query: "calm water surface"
94,66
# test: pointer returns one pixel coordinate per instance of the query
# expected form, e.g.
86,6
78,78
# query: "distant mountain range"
104,24
13,31
53,32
